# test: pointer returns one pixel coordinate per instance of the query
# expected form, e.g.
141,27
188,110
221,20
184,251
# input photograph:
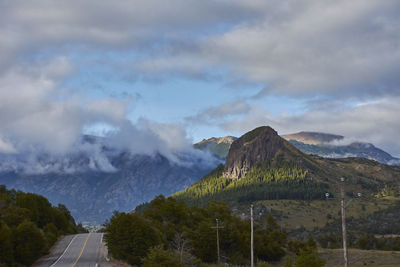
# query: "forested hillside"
264,181
29,226
263,166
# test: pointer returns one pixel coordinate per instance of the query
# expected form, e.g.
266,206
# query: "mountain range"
261,165
99,179
315,143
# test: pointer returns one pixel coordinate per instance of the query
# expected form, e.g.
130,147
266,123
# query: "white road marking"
64,251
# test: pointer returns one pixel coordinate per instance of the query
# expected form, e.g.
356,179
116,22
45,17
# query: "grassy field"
357,258
334,258
292,214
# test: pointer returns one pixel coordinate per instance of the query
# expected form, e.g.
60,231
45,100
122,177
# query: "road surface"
82,250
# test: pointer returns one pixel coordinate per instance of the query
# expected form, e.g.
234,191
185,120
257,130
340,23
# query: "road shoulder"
55,252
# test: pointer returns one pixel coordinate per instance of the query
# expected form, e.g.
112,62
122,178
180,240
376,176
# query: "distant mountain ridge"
316,143
313,138
321,144
219,146
97,180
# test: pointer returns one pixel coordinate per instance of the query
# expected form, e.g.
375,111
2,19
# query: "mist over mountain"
322,144
99,178
313,138
219,146
337,146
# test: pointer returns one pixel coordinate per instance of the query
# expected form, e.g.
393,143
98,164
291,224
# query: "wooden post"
344,224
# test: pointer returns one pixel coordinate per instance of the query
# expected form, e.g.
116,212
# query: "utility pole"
218,227
252,236
344,232
343,206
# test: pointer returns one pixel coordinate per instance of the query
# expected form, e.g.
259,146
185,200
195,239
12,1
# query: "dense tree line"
282,180
169,230
29,226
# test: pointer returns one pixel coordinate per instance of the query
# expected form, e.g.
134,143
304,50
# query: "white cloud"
33,114
216,113
42,129
376,122
145,25
6,147
338,49
341,49
113,110
151,138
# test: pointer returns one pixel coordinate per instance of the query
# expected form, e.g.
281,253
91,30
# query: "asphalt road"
82,250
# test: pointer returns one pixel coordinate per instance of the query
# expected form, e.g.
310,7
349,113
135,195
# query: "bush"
159,257
308,259
129,237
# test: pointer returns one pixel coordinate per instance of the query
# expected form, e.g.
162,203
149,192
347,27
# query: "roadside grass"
357,257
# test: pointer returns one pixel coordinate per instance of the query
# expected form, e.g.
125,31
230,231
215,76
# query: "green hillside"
264,181
288,174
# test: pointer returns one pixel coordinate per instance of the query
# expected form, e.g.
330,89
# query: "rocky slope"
259,145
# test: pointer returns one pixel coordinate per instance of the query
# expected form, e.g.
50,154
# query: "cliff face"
258,145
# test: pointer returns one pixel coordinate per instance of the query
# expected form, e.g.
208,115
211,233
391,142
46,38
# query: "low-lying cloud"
41,128
366,122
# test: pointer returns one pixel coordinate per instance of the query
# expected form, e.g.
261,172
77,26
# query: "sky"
156,76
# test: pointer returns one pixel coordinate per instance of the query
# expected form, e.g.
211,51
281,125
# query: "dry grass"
310,214
357,257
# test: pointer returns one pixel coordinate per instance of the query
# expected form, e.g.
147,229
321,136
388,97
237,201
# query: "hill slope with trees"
261,165
29,226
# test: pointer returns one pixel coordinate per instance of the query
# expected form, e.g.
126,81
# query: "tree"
6,245
204,242
30,243
129,237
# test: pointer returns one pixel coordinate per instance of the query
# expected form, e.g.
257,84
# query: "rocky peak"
256,146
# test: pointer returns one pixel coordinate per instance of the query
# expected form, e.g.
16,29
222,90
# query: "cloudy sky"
171,73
